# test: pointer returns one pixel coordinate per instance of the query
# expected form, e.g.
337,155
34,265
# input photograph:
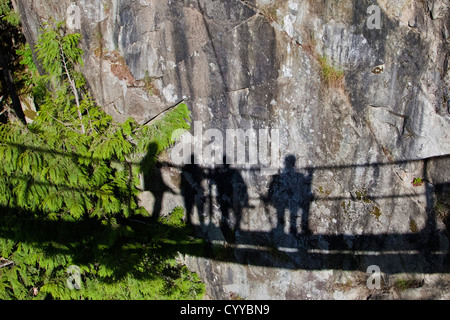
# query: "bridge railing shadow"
417,251
421,251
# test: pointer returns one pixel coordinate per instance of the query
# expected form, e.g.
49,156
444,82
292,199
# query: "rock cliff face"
358,102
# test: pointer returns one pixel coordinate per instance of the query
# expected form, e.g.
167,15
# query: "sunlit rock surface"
361,113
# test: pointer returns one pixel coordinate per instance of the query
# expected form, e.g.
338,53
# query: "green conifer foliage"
68,187
74,160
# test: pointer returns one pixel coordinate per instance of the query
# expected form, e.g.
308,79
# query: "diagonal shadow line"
216,54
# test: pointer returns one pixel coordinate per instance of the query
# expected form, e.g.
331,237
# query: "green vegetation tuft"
413,226
329,74
417,182
7,14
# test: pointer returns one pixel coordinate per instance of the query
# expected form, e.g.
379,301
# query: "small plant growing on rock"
330,75
413,226
148,82
236,296
417,182
404,284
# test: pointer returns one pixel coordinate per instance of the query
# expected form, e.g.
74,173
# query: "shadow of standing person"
192,191
153,180
232,196
291,190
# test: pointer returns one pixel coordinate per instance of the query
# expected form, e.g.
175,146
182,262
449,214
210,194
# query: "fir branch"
73,87
4,110
64,124
5,263
90,122
52,173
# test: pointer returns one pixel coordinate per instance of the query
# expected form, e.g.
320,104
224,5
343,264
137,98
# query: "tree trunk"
10,88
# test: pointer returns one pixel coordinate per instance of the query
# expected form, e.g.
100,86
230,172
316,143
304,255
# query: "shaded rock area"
360,112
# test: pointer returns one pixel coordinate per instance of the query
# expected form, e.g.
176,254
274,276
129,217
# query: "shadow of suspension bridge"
283,246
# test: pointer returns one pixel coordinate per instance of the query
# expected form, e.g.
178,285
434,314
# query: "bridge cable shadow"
296,246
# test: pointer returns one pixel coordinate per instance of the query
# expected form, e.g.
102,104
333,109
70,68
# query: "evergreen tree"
74,160
68,186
